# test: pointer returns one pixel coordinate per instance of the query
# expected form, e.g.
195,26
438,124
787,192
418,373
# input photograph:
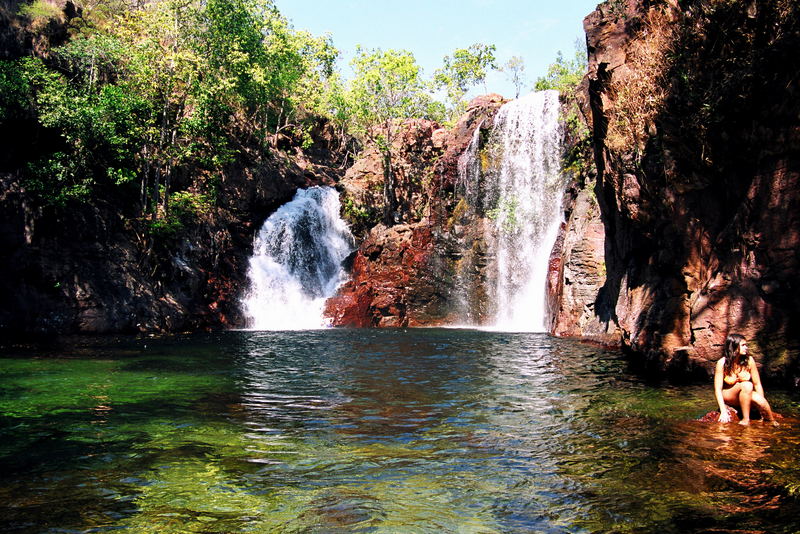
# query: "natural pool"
375,431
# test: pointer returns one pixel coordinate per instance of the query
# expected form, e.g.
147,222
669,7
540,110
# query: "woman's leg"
731,395
763,407
739,396
745,398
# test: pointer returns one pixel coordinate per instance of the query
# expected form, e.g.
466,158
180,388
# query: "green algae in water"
201,494
42,388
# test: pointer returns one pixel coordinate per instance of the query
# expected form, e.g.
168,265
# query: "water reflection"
487,413
522,430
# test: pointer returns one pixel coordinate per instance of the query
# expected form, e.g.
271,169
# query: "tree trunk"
389,195
145,172
156,183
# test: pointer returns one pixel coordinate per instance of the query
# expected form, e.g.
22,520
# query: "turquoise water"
375,431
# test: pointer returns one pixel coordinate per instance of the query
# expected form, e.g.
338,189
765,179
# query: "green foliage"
40,11
184,208
506,213
143,96
102,126
617,9
387,86
358,215
187,205
138,93
466,68
57,179
387,89
121,176
564,75
14,90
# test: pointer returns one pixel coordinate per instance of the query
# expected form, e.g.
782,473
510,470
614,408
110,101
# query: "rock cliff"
577,272
94,268
100,264
405,275
696,126
90,269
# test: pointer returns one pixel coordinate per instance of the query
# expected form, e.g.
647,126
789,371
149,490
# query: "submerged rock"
713,417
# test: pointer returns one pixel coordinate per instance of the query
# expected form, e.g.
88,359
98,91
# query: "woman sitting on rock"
737,383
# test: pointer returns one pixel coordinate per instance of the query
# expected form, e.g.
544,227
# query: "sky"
431,29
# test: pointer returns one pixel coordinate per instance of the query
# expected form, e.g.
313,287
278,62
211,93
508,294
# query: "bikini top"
741,376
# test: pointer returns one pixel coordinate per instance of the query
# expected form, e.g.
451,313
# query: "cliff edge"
696,125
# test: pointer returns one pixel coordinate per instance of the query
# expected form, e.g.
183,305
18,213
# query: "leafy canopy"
387,86
466,68
564,75
139,92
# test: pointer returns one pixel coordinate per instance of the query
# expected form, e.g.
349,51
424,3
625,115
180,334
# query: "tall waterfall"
514,182
296,262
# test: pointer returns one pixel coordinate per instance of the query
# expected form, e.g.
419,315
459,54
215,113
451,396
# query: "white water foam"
297,262
520,190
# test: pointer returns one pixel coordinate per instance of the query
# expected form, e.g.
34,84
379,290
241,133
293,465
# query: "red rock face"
392,282
696,126
402,275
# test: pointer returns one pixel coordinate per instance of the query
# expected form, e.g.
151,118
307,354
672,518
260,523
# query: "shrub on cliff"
565,76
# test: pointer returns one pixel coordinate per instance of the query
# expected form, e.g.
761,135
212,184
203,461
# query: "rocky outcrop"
577,273
100,265
94,268
479,114
417,144
696,125
394,281
406,275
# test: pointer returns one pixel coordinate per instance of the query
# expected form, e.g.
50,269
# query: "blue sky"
534,29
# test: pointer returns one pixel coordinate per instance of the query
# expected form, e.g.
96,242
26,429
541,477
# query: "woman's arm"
755,377
719,375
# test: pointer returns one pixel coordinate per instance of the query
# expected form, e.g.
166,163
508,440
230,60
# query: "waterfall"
297,262
513,182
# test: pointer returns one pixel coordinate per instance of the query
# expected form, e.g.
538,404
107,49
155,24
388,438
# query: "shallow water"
375,431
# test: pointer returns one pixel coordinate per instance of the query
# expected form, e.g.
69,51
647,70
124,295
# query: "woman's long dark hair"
733,360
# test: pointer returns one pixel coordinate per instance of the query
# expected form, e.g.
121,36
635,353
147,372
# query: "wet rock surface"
577,273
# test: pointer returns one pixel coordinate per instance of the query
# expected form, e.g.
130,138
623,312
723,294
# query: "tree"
564,75
465,69
514,70
386,89
159,94
101,124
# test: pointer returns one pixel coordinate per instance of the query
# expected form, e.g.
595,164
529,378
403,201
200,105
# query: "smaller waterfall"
296,262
